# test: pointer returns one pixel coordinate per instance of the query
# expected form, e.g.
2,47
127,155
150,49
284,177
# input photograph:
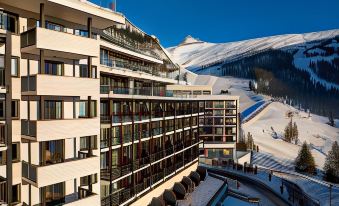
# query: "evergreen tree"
288,136
184,77
331,120
331,166
305,161
295,133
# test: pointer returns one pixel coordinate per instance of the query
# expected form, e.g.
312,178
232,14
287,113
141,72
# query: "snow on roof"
203,193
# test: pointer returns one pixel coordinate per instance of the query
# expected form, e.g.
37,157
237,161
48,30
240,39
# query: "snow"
203,53
313,130
301,62
203,193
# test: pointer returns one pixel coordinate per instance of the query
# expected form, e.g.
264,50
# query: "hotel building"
86,117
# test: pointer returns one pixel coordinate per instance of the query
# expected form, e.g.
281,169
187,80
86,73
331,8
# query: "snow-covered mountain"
192,53
303,69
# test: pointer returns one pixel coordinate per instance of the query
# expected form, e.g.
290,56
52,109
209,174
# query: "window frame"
17,65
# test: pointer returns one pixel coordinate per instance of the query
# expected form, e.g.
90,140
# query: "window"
55,27
16,193
83,109
80,32
3,157
218,131
52,152
85,181
54,68
2,109
16,152
54,193
15,108
84,71
53,109
84,142
15,66
8,22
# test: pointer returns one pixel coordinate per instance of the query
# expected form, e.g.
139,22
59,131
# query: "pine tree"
305,161
289,132
331,166
295,133
331,120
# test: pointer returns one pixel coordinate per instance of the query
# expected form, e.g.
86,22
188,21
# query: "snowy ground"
268,126
235,86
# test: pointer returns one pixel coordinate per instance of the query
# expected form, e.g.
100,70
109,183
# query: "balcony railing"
144,91
29,171
105,173
105,142
139,187
157,177
129,45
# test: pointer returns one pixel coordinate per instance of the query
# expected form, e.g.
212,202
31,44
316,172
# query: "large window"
85,142
83,109
8,22
54,68
54,194
53,109
52,152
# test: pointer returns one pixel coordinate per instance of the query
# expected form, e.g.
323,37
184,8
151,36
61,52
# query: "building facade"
86,117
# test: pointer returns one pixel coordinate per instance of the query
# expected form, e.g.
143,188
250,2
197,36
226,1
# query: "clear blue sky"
228,20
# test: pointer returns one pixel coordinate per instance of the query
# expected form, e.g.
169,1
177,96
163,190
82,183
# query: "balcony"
42,84
46,130
145,91
116,172
58,44
41,176
139,187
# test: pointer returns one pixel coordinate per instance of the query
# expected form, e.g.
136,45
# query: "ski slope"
192,53
313,130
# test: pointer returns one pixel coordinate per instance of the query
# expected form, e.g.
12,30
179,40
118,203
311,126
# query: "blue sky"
228,20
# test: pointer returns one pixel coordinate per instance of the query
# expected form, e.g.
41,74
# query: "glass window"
54,194
53,152
53,109
83,109
2,109
15,108
8,22
55,27
15,66
84,142
54,68
15,152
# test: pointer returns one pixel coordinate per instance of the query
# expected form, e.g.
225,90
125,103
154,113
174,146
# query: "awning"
157,201
202,172
195,177
187,183
169,198
179,191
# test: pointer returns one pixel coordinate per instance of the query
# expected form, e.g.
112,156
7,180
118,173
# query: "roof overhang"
75,11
